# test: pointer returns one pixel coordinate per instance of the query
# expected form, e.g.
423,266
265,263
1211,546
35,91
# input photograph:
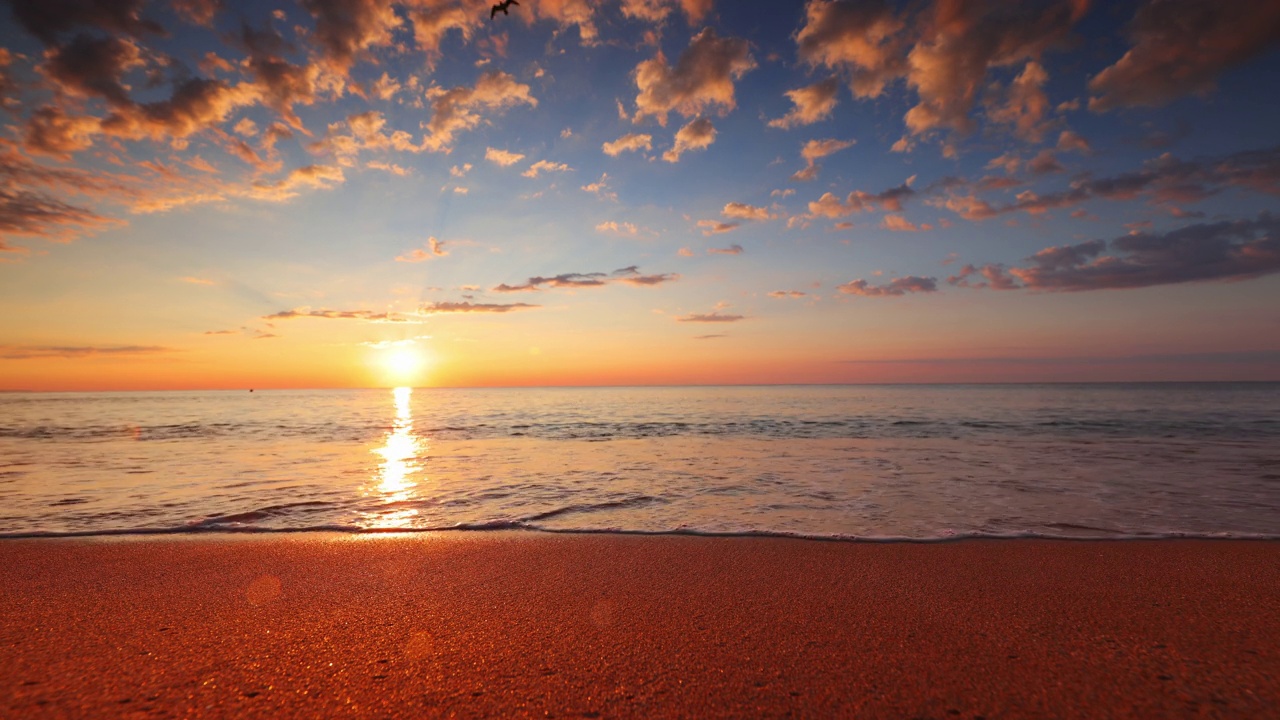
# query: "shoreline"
329,533
520,623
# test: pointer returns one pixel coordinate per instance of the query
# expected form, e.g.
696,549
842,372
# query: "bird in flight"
503,7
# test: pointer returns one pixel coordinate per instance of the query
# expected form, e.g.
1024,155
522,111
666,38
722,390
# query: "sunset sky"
334,193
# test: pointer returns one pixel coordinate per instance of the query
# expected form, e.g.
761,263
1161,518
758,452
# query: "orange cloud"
347,29
814,150
697,135
631,142
715,227
897,223
701,79
742,211
458,109
897,286
545,166
434,249
859,40
812,104
502,157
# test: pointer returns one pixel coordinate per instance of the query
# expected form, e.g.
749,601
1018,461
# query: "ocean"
919,462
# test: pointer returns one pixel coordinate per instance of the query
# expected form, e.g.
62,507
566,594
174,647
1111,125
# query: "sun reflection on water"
398,473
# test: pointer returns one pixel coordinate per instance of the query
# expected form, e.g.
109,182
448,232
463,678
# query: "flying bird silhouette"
503,7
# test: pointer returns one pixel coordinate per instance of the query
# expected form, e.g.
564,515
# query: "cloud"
93,67
35,214
433,21
502,157
1165,181
197,281
702,78
46,20
347,29
441,308
458,109
830,206
897,223
576,281
742,211
281,83
545,166
458,172
961,42
565,280
1180,47
73,352
786,192
434,249
600,188
366,315
1024,104
787,294
859,40
895,287
631,142
697,135
734,249
322,177
709,337
389,167
1222,251
656,11
1043,163
812,104
814,150
568,13
715,227
649,280
711,317
1069,141
624,229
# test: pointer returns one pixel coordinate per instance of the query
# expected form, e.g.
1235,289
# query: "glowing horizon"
381,193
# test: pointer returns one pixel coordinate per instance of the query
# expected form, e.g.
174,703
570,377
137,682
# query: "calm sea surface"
917,462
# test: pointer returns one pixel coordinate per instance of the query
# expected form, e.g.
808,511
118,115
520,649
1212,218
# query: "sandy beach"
525,624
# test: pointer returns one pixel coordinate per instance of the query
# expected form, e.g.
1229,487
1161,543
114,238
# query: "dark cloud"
649,280
46,19
1223,251
29,213
565,280
38,352
629,275
897,286
1165,181
858,201
345,29
93,67
1180,47
468,307
367,315
713,317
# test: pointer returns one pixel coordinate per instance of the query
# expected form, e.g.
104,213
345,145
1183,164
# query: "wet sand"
524,624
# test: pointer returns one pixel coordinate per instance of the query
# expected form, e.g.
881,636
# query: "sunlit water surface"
917,462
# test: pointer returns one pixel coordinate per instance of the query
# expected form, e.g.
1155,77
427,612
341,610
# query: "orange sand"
521,624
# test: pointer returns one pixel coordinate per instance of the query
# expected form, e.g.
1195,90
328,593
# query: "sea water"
920,462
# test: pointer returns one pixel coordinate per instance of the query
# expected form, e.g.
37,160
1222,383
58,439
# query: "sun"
403,365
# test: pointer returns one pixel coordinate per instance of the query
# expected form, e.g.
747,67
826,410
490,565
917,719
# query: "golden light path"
397,474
